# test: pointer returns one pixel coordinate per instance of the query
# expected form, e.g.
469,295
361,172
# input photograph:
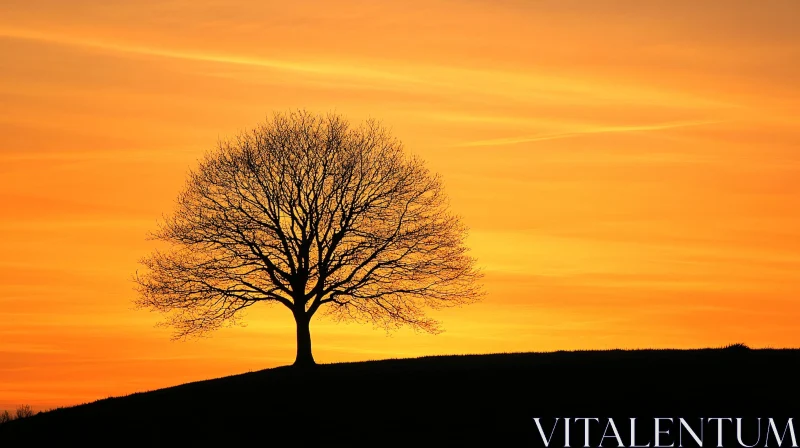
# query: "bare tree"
309,212
24,411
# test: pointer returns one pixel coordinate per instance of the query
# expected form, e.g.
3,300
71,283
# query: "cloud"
528,86
347,71
585,131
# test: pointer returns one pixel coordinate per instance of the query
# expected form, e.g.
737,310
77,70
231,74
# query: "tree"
24,411
309,212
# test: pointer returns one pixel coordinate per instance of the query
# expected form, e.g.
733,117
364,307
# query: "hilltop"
473,400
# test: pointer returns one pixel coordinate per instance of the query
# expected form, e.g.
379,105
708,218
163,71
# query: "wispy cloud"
587,130
314,68
526,86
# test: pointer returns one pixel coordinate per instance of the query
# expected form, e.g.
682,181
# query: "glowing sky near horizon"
630,171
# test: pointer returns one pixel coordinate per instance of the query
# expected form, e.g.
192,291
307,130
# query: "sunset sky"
629,170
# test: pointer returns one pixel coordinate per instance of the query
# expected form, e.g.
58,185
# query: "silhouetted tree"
24,411
309,212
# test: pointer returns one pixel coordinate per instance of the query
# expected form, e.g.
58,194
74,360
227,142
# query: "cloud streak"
587,131
274,64
526,86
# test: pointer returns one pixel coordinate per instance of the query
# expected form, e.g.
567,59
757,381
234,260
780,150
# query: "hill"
475,400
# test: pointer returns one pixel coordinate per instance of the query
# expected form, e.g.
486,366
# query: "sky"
629,171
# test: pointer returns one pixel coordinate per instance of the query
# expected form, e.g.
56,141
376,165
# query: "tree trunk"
304,357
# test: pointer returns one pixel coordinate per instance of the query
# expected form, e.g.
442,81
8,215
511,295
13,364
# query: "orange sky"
630,171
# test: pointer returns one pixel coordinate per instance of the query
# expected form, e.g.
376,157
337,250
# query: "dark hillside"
486,400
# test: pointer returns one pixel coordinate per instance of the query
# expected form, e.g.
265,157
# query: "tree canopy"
310,212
